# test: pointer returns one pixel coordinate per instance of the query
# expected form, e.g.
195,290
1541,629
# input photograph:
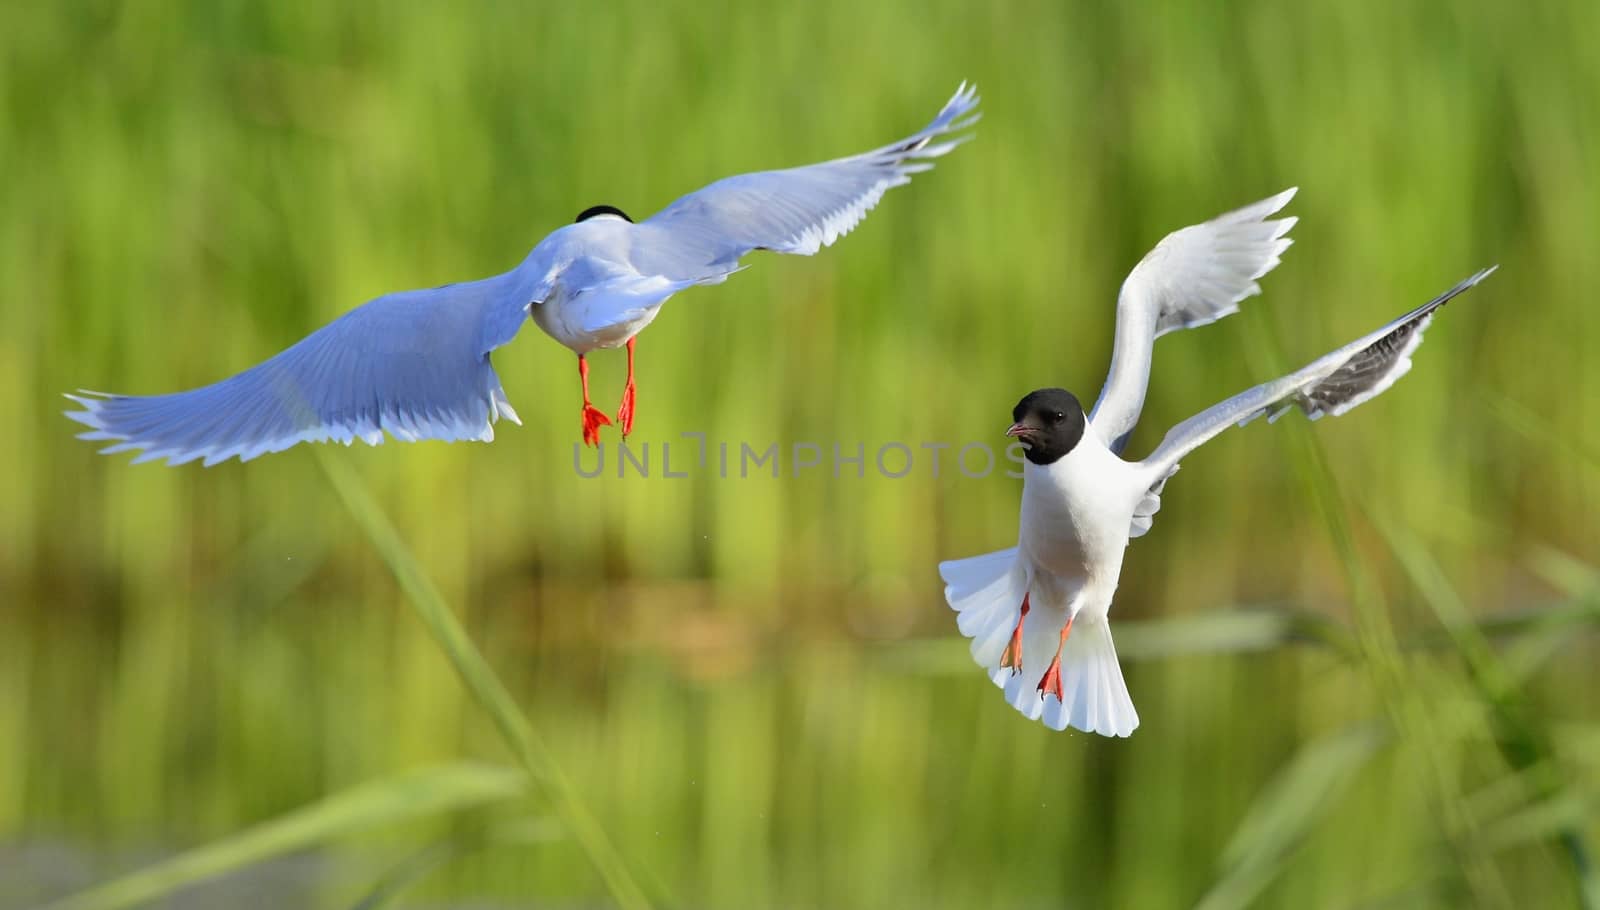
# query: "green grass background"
752,687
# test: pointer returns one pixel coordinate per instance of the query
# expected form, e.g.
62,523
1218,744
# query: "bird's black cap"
1049,422
594,210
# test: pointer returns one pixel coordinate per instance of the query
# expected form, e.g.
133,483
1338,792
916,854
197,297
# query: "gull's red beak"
1019,429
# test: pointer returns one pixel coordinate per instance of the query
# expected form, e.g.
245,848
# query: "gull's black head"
595,210
1049,422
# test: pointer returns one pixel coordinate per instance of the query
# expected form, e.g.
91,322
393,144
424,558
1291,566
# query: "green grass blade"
1557,818
1522,742
1541,820
517,831
360,808
490,693
1535,428
1286,811
1230,631
1567,572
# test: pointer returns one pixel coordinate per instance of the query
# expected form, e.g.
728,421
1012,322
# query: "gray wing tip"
1394,349
91,402
966,94
88,398
1465,285
1471,281
902,157
961,103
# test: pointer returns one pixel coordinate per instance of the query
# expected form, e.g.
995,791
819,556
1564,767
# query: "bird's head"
596,211
1049,423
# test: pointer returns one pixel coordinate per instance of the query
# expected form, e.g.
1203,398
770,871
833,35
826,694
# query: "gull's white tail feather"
986,593
1094,697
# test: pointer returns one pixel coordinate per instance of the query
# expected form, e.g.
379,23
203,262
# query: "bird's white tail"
1094,698
986,592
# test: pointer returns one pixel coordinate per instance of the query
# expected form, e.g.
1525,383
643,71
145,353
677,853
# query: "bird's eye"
1057,417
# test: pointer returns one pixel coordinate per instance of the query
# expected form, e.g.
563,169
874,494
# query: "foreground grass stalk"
485,686
410,795
1391,674
1522,742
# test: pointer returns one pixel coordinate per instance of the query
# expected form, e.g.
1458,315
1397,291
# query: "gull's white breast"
1076,515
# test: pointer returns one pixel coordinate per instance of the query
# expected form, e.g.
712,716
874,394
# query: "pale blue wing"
799,210
1193,277
1356,373
413,364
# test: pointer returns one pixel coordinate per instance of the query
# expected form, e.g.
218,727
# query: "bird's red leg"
1051,683
1012,656
593,420
625,411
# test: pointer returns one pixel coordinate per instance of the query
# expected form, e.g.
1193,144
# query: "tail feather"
986,593
1094,697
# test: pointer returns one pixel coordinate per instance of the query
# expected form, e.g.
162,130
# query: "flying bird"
415,364
1037,613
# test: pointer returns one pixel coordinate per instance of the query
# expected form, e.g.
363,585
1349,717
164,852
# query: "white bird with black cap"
1037,613
415,364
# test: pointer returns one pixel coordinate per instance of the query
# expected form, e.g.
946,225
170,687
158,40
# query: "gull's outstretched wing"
799,210
1333,384
1194,276
413,364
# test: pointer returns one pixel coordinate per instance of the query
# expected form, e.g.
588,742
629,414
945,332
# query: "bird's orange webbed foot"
1050,683
1012,656
593,420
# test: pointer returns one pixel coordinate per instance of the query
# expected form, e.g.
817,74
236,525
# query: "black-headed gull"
416,363
1037,613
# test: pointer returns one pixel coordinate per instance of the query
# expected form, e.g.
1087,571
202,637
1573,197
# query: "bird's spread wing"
413,364
1333,384
1194,276
799,210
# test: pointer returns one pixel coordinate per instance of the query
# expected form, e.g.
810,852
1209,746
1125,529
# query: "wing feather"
413,364
1194,276
1333,384
798,210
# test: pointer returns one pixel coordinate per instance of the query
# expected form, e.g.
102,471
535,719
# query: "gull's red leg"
625,411
593,420
1051,683
1012,656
